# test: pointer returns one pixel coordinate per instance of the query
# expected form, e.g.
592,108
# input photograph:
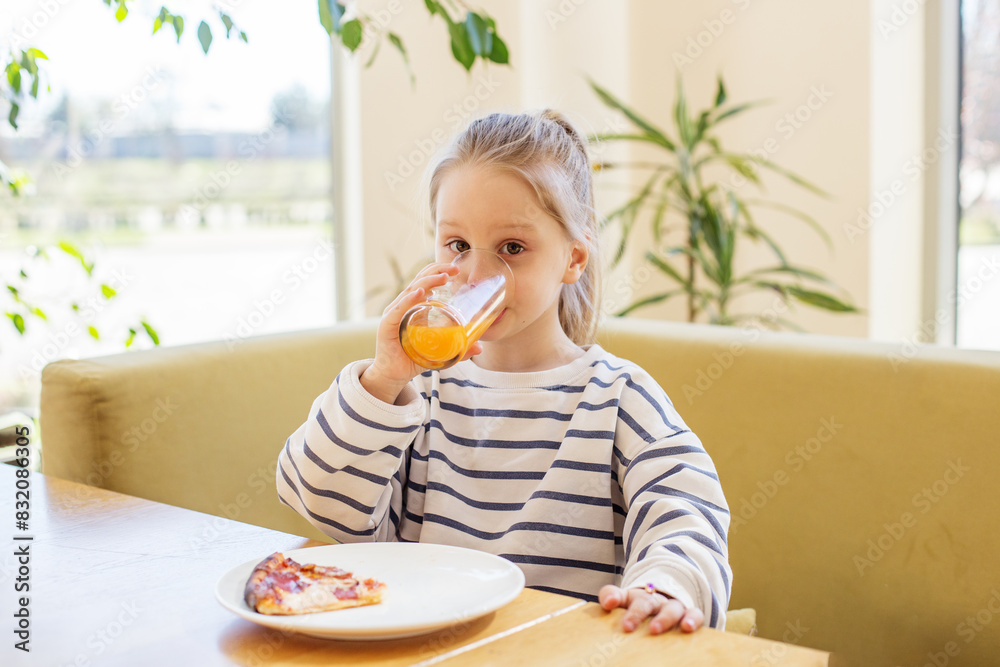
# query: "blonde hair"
546,151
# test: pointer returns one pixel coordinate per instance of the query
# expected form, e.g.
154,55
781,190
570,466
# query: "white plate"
429,587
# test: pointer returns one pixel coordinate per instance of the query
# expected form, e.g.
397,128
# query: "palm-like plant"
716,217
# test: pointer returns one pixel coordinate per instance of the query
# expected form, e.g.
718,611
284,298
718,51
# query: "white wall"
831,115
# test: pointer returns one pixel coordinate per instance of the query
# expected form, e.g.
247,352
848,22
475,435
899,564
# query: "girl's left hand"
665,612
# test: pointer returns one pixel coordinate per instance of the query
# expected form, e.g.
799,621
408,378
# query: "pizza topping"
279,585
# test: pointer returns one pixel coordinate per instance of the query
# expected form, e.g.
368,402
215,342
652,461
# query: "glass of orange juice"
438,332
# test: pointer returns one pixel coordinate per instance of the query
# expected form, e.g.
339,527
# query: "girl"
538,446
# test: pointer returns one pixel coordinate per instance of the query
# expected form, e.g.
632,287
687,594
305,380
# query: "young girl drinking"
538,446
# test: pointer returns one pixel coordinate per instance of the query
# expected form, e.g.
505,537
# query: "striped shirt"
582,475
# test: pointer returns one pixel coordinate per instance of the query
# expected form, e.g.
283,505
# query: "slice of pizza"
281,586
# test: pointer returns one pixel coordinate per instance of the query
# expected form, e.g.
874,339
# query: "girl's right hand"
392,368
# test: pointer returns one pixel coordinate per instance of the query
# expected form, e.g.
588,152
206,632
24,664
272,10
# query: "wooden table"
118,580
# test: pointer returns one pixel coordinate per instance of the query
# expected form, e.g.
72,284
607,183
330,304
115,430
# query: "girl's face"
492,209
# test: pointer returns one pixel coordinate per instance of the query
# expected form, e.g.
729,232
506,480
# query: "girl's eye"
458,246
512,248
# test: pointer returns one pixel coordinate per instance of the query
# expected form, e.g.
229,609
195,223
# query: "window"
199,184
978,280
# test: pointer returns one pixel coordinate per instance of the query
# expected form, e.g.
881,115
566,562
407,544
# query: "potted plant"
713,215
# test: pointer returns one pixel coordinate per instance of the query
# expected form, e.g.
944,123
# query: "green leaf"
122,12
651,131
798,214
664,266
36,53
108,291
733,111
648,301
204,36
130,339
499,53
226,21
330,14
351,34
479,35
18,322
71,250
38,312
395,40
720,93
243,36
12,116
461,47
820,300
178,22
93,332
14,76
681,118
13,290
151,332
795,178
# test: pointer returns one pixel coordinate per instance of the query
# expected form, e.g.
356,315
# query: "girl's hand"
392,369
665,612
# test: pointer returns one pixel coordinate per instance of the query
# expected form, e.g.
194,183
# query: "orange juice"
436,344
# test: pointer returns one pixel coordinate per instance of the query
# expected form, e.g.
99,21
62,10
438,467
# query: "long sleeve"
344,469
676,515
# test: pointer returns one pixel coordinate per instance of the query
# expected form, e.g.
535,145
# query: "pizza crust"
279,585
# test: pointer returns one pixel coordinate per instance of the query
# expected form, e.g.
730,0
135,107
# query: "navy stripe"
329,493
604,468
562,591
322,519
520,414
590,435
572,498
661,452
478,474
350,412
531,559
679,467
530,526
656,405
694,500
413,517
326,467
634,425
641,516
478,504
604,362
361,451
625,461
495,444
705,513
462,383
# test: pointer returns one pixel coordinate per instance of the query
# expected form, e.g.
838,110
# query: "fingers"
665,613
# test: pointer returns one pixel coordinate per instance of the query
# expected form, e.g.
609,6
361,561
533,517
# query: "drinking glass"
437,333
